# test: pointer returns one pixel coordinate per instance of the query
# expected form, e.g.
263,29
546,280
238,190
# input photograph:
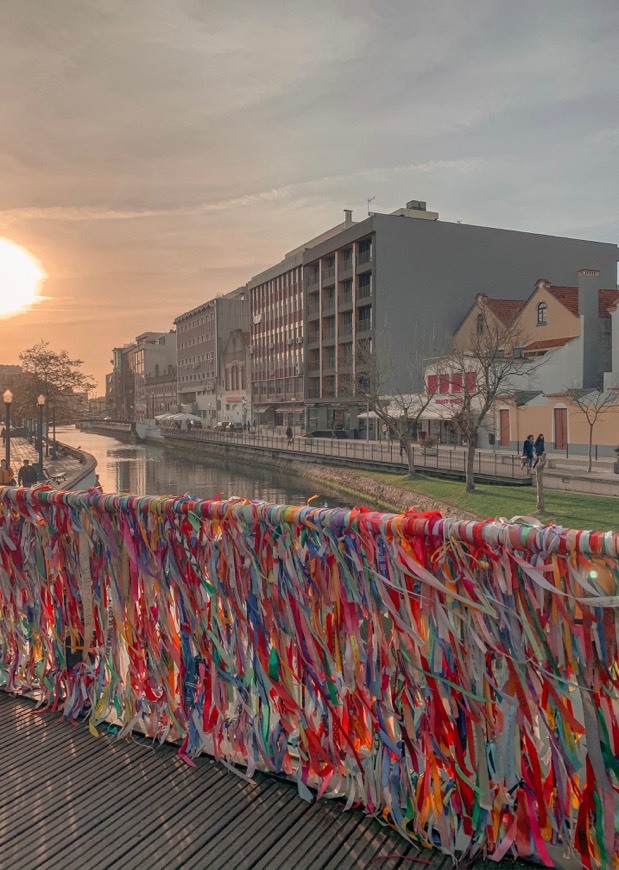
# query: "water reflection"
153,470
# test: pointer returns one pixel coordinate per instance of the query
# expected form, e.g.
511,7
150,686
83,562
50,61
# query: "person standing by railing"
539,449
27,475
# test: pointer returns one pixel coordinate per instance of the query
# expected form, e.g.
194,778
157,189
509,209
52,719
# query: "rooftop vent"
416,205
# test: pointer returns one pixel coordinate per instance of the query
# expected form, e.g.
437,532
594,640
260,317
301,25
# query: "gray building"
202,334
397,284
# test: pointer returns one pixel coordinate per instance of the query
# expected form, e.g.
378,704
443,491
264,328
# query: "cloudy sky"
154,153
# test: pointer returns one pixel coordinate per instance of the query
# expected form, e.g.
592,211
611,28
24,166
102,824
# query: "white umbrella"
186,417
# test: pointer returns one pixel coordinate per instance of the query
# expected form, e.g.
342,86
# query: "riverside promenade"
66,470
492,466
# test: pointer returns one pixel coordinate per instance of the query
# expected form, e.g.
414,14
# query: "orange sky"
154,154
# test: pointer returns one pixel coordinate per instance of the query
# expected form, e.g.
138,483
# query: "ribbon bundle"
460,679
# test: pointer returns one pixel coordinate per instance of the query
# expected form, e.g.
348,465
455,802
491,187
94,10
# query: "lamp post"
41,404
8,398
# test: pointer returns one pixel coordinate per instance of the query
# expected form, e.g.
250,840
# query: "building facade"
153,356
401,283
276,343
233,384
202,333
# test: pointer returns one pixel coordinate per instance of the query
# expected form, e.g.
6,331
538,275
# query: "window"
432,383
443,383
542,309
456,383
481,322
470,382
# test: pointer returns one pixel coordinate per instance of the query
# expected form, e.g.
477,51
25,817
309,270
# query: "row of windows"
198,321
452,382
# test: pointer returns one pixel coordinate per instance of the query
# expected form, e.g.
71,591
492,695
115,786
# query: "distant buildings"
292,345
202,334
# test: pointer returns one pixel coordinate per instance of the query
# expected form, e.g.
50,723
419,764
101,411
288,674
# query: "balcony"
345,331
328,276
364,326
364,261
328,305
313,311
313,370
345,301
345,270
328,335
313,340
364,292
312,280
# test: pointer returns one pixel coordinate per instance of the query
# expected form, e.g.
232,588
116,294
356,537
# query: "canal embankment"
65,468
329,478
393,490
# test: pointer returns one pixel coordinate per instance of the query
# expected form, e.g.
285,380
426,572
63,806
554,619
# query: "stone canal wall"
363,488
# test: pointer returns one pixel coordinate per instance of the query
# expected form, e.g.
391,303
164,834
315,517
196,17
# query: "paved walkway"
58,471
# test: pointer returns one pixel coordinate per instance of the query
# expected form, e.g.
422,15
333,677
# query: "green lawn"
572,510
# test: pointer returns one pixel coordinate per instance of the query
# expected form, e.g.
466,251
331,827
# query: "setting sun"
20,277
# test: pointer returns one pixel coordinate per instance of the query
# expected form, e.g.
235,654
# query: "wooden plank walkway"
69,800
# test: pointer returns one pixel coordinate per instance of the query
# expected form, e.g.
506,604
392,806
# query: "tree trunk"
410,456
539,483
590,460
470,466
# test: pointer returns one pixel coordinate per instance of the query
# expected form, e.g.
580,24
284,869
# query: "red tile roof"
548,343
505,310
568,296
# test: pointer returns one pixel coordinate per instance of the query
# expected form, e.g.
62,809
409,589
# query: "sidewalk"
59,471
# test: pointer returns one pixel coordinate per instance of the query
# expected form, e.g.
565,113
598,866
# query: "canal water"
148,469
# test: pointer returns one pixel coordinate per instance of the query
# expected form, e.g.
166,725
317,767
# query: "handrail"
443,671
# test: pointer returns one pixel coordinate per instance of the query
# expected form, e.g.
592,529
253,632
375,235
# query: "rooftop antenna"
370,201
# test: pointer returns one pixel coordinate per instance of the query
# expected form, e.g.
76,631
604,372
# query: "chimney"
347,215
588,295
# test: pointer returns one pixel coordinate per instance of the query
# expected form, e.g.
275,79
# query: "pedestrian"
3,434
527,452
289,434
539,449
7,475
27,475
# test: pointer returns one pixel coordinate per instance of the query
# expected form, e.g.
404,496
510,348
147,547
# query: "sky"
156,153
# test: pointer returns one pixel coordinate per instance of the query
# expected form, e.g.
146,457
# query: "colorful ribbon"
461,679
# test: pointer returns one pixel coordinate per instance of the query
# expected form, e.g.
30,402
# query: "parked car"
235,427
222,426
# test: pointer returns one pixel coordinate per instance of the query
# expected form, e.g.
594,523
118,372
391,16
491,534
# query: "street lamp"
41,404
8,398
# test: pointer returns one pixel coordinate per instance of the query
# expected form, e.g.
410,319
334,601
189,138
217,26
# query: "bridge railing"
462,678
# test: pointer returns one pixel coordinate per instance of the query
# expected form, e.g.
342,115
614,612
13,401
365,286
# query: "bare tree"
490,366
391,390
54,374
592,404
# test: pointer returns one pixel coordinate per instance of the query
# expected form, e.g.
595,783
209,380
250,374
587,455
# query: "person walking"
7,475
539,449
27,475
527,452
289,434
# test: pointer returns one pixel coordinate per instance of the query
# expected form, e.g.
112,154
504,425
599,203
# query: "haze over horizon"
156,154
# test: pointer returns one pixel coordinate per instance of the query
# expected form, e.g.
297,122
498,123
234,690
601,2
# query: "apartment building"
276,342
394,285
202,333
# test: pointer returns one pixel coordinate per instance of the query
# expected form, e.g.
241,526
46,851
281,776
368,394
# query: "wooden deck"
69,800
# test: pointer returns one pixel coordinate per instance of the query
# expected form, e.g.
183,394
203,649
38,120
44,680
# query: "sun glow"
20,278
